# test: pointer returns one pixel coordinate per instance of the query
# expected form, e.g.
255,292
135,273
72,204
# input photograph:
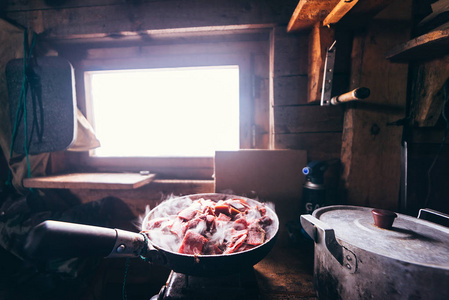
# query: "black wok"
54,239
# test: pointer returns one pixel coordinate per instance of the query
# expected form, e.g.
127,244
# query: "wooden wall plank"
290,90
14,5
310,141
144,15
310,118
261,97
290,53
319,146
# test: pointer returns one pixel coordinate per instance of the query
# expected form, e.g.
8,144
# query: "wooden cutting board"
109,181
267,174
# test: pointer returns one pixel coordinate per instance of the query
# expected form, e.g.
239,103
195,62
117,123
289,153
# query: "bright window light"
165,112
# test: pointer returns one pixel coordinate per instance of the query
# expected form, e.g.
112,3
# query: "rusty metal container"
354,259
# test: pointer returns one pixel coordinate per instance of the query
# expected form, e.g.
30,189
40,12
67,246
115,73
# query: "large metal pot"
61,239
354,259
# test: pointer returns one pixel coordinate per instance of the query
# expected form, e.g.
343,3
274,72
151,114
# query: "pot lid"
410,239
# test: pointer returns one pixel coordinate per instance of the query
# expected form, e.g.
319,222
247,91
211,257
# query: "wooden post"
320,39
371,148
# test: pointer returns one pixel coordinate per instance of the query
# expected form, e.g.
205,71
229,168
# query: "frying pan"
55,239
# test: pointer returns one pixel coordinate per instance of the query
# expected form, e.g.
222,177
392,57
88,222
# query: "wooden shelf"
424,47
111,181
310,12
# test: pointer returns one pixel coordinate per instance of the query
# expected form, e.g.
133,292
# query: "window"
172,112
219,101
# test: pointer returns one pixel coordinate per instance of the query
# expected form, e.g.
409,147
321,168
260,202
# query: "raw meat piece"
236,234
187,213
265,221
178,227
233,211
223,217
198,225
256,235
210,219
237,205
223,208
156,223
234,246
211,249
192,243
210,222
240,224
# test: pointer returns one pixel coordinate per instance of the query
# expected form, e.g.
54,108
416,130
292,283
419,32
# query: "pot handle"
56,239
127,243
322,233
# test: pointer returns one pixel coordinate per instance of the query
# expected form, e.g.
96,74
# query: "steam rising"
166,213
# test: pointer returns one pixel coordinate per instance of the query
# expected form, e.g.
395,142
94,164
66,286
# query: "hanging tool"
326,93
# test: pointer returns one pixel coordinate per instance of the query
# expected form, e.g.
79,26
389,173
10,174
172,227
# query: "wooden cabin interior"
386,151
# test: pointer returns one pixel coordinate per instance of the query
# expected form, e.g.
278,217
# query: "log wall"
297,122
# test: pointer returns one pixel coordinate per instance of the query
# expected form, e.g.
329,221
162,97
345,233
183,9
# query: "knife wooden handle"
357,94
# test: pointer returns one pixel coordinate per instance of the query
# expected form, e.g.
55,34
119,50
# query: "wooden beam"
309,12
320,39
339,11
160,34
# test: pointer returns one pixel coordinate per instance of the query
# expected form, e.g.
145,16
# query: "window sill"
109,181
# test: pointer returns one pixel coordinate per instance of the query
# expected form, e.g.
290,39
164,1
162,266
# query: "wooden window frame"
171,55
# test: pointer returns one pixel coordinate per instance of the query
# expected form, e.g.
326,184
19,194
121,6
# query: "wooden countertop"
287,272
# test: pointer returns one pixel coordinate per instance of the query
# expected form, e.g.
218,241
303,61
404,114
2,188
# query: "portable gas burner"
208,274
241,285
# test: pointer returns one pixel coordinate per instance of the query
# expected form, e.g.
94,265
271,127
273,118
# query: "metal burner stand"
241,285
